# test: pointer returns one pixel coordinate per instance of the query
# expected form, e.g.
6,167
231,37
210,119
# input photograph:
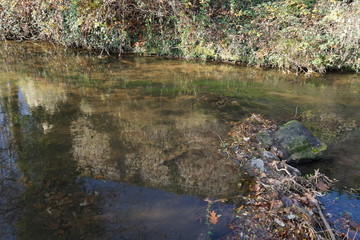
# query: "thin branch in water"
327,225
296,111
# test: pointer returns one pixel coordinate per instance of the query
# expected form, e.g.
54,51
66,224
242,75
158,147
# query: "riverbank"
300,35
283,204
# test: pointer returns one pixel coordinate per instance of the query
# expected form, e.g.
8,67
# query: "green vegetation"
294,35
328,127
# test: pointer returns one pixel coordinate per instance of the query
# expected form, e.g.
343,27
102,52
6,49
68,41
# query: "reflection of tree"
41,93
91,150
180,151
10,188
52,199
166,143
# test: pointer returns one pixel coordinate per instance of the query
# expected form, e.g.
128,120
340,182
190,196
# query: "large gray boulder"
293,142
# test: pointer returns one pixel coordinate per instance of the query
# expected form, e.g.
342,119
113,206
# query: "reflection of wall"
43,93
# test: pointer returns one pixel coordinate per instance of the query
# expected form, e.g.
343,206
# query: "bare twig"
296,111
327,225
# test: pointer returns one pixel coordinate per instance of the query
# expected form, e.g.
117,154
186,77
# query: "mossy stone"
298,143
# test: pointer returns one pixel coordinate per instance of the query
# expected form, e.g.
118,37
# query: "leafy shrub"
294,35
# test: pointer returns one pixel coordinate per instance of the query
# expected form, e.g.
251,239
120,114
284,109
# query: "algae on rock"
296,143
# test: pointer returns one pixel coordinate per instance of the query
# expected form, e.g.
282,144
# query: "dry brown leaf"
304,200
277,204
256,187
259,216
240,208
322,186
309,196
273,195
213,218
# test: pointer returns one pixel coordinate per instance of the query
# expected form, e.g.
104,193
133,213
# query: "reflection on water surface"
142,213
156,123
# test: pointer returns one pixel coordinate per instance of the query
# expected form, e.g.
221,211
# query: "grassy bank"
296,35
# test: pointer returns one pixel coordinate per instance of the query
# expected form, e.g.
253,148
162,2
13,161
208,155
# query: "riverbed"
99,147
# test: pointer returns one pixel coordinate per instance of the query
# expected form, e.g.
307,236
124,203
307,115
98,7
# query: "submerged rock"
258,163
269,156
293,142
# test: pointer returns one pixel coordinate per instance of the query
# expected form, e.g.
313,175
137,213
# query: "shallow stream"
130,148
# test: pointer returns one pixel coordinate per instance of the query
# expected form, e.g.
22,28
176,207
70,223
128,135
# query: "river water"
130,148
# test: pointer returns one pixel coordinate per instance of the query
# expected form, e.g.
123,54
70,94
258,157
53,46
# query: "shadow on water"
94,140
142,213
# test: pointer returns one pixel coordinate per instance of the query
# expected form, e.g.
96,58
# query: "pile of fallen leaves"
282,205
242,137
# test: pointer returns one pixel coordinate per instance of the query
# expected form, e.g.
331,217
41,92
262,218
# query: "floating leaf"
213,218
